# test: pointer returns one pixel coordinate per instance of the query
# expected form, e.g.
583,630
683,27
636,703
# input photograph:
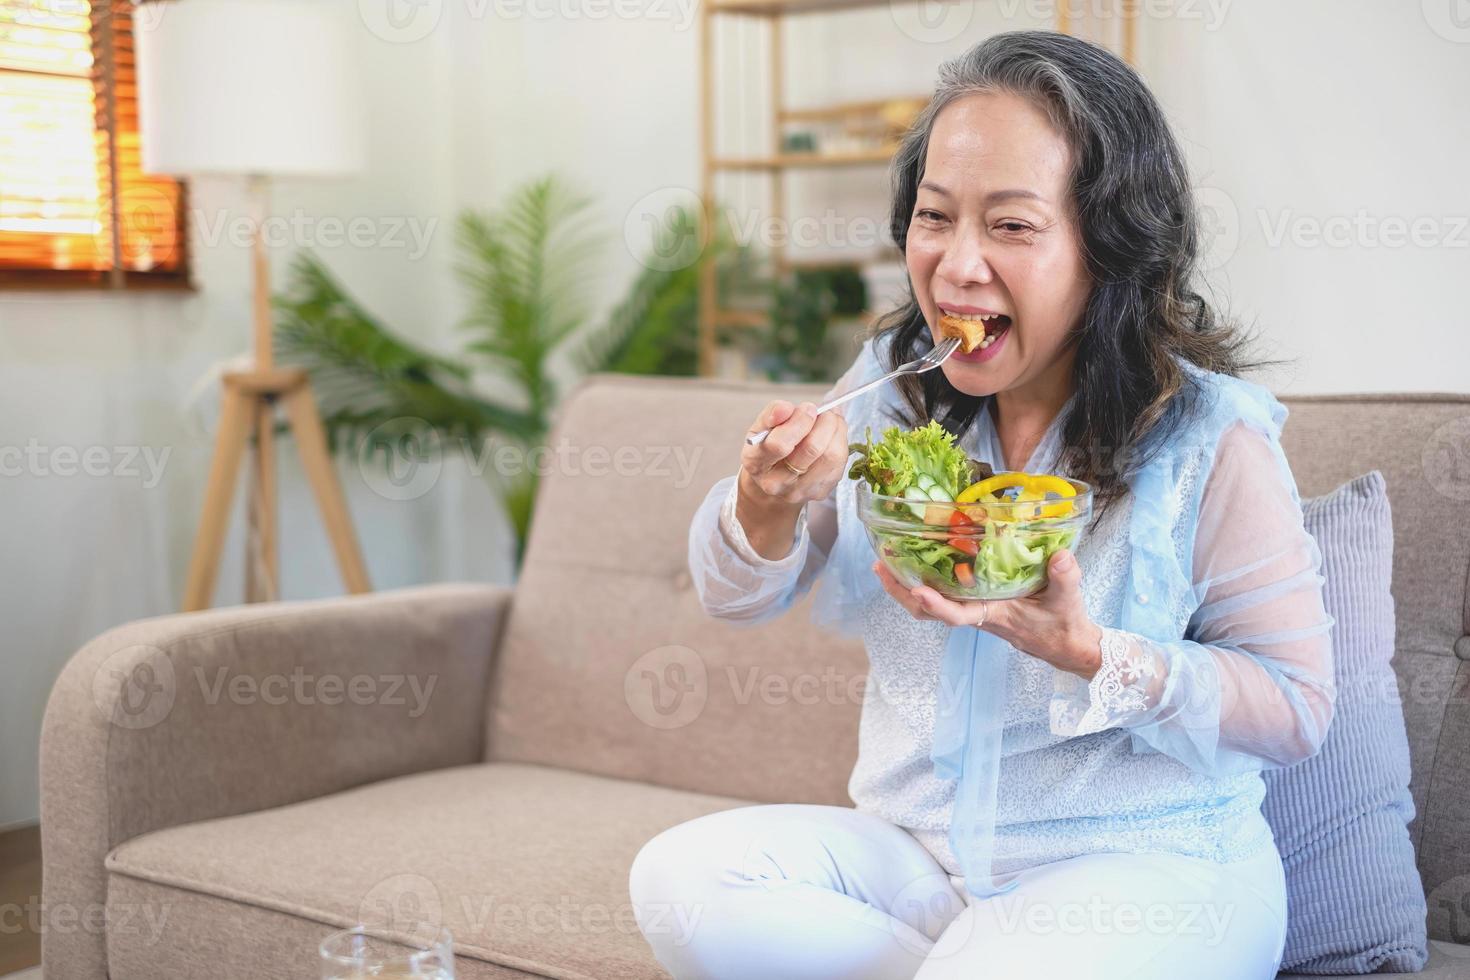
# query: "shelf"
769,8
743,319
783,161
842,110
871,125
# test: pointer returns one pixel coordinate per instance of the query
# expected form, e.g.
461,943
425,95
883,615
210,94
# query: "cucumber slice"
914,493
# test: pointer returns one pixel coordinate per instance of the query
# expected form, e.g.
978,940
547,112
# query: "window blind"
75,206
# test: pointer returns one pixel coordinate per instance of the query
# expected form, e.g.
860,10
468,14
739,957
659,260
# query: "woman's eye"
925,214
1013,227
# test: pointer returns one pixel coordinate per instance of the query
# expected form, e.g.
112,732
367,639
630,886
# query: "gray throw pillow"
1355,902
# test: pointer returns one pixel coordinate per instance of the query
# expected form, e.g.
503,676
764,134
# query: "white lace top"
1161,751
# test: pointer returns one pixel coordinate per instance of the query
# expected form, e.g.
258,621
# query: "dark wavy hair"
1133,205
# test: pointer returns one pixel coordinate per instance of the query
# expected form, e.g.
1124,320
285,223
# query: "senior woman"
1066,784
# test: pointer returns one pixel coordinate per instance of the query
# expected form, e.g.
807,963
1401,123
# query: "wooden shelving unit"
769,8
783,161
713,319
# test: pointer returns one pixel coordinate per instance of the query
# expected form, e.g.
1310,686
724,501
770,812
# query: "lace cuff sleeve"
1124,689
1252,687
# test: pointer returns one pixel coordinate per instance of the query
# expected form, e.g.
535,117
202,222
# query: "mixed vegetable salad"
974,533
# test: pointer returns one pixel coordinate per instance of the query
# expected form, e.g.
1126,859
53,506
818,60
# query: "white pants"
800,892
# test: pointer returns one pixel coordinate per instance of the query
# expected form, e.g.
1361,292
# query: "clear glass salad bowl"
994,548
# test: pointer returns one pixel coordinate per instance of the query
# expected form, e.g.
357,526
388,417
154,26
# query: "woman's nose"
964,262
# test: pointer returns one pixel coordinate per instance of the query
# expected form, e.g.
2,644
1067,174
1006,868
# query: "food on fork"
972,328
970,332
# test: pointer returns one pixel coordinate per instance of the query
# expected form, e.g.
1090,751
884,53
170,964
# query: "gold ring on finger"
793,469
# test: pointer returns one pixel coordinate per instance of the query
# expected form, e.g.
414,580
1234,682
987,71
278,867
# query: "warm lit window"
68,140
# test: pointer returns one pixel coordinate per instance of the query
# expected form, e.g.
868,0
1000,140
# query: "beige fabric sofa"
223,832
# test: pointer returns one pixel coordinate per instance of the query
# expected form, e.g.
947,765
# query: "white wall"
1304,123
1323,131
82,553
1308,110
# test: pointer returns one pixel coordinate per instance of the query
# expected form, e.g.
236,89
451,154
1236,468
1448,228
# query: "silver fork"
931,360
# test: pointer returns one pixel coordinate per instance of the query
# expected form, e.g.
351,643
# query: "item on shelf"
800,344
802,141
899,114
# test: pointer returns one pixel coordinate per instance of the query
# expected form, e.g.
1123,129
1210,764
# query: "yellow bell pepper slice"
1042,484
986,488
1033,487
1055,484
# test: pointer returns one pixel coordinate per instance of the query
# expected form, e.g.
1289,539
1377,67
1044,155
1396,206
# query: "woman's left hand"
1051,625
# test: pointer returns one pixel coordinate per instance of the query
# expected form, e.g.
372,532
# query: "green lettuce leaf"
932,562
925,458
1005,561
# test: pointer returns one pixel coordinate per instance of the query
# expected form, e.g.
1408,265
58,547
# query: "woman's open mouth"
996,327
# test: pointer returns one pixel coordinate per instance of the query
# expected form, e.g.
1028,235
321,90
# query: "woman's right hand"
803,459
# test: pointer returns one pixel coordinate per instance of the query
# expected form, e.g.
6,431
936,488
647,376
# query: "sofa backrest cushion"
609,662
610,665
1421,445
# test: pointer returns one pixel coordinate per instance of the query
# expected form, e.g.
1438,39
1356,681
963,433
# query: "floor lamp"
255,89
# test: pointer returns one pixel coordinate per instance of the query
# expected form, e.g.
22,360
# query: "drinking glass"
363,954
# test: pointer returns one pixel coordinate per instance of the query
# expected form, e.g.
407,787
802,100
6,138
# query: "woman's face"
992,233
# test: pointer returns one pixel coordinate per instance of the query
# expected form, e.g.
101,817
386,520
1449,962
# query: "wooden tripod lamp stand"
255,88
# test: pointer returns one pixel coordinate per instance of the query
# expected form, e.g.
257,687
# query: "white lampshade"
266,87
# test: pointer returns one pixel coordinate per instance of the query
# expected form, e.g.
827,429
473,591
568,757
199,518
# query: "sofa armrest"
189,717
